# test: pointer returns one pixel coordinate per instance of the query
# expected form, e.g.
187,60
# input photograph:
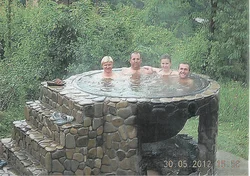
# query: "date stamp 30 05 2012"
199,163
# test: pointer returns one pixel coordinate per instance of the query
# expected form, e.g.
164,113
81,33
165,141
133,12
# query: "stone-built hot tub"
120,129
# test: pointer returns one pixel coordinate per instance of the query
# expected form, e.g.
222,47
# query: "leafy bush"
194,50
7,118
100,34
229,50
41,49
233,121
54,40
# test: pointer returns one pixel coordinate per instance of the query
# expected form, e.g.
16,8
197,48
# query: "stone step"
39,117
28,142
9,171
20,162
67,157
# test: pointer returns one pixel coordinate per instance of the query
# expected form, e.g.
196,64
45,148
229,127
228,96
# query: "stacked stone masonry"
103,138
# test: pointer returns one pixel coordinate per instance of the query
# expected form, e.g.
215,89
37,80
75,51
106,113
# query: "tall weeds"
232,121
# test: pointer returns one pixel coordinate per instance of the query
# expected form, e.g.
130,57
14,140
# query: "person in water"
165,69
107,65
135,71
184,73
135,66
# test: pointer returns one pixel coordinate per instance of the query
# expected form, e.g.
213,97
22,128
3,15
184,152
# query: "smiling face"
135,61
183,71
165,64
107,67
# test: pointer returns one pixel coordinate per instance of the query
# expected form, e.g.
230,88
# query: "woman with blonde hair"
107,65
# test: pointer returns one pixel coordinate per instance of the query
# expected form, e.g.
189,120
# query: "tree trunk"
211,31
8,37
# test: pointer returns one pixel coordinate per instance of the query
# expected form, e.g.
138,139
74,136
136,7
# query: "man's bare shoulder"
157,70
126,70
174,72
146,70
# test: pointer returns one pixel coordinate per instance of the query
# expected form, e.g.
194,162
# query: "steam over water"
140,86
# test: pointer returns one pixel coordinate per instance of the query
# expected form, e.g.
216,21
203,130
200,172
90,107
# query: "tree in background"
39,50
218,45
54,40
102,31
229,45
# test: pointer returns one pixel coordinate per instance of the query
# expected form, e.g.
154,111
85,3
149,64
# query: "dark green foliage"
60,45
100,34
179,18
7,119
51,40
31,58
153,42
114,4
220,50
194,50
229,47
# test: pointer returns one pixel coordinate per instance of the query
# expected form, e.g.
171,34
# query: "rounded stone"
73,131
50,149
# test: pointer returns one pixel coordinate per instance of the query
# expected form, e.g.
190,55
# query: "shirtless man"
184,71
135,66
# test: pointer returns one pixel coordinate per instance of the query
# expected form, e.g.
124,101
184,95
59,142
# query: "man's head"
135,60
107,64
184,70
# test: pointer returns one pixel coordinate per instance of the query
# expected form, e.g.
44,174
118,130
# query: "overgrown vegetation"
233,119
51,40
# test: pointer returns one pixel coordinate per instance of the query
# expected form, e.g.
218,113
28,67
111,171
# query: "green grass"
233,120
7,119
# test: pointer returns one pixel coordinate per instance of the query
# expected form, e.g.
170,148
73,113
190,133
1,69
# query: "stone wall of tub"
104,138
